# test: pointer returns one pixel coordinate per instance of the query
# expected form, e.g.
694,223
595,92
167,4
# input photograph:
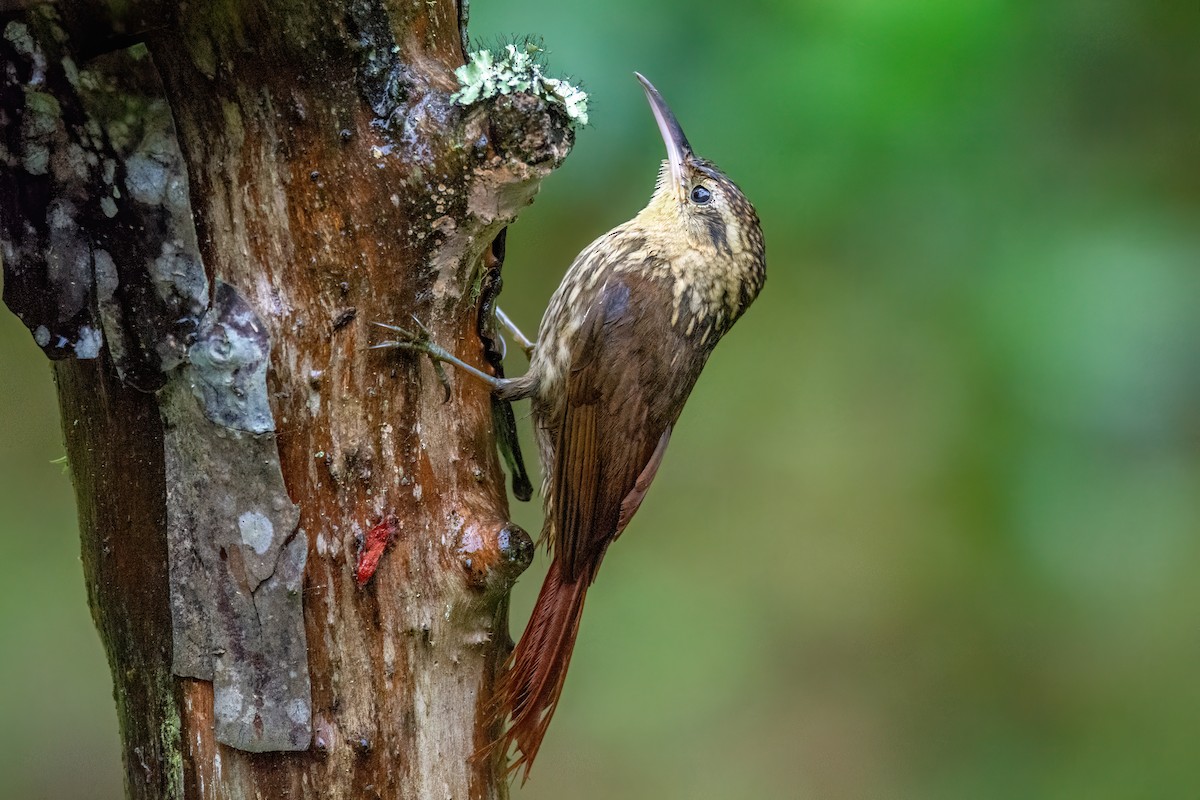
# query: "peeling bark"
200,227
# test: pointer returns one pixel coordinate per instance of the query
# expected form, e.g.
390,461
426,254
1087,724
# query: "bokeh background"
930,526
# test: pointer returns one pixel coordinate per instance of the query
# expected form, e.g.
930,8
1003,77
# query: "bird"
620,346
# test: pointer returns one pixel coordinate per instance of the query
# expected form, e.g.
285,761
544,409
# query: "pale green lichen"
170,743
517,69
18,33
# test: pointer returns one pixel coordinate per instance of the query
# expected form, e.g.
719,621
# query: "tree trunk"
297,549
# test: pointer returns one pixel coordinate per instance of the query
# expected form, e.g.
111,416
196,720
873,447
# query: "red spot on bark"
373,548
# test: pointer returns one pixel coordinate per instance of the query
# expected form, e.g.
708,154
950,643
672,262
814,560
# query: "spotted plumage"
620,347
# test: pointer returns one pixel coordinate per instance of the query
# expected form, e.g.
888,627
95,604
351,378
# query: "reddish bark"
332,183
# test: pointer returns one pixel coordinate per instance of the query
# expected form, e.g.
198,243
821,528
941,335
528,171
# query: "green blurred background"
929,526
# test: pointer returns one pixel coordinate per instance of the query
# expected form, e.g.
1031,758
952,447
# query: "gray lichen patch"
66,155
41,121
90,164
23,43
17,32
101,238
120,153
152,171
236,555
256,530
236,565
71,71
89,342
146,179
46,176
167,263
144,186
229,364
179,276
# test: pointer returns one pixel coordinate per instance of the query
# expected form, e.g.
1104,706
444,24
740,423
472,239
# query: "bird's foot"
421,341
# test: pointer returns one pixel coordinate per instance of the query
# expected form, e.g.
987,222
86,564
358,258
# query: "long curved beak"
678,149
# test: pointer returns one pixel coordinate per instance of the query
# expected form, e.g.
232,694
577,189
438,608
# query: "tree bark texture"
204,206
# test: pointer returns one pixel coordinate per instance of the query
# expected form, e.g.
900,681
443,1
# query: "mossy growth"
517,68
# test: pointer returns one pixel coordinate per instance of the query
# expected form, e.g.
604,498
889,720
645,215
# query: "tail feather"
530,689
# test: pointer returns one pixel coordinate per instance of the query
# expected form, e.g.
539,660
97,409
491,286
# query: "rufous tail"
529,690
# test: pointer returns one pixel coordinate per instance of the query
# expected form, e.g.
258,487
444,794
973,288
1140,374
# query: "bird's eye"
701,196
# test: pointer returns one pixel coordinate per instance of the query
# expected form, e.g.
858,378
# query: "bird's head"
696,196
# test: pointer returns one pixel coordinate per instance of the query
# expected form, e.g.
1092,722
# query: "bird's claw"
408,340
421,342
440,371
425,334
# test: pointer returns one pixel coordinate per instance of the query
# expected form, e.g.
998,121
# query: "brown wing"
614,429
